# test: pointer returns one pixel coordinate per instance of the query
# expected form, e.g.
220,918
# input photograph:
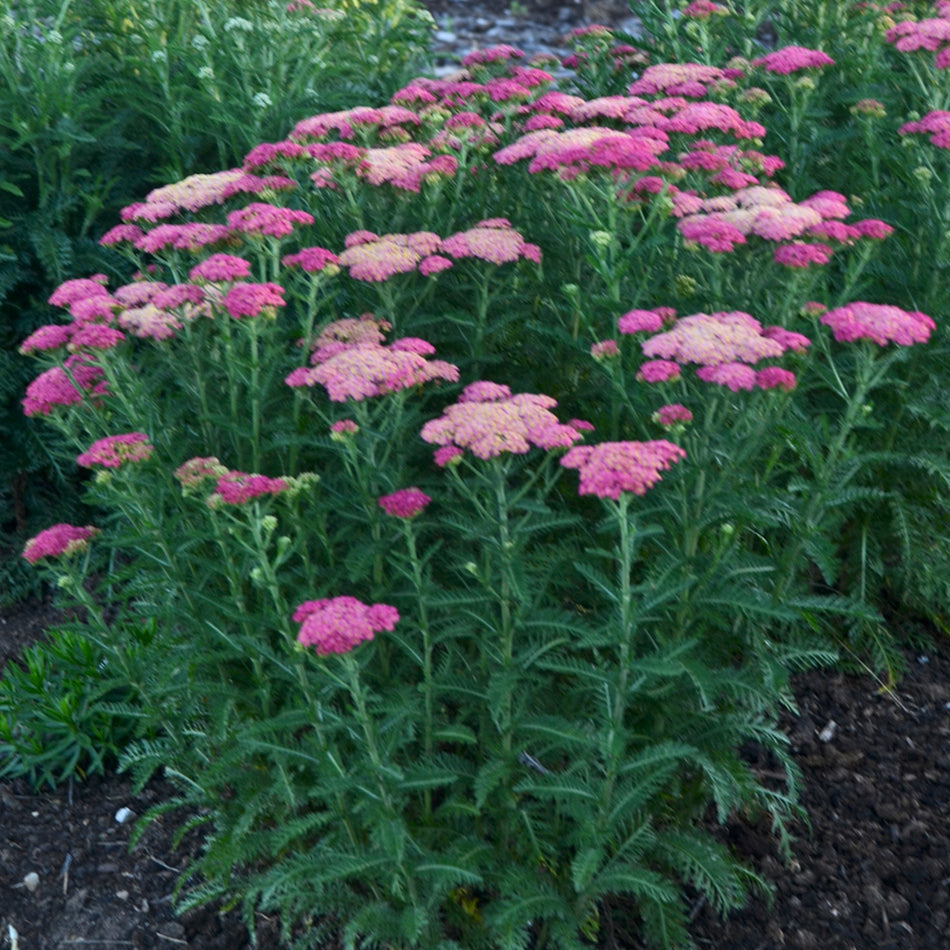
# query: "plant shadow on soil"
873,870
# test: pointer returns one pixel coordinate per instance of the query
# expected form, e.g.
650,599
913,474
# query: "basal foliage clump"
479,466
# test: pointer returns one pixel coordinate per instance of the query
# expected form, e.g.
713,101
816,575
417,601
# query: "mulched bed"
872,873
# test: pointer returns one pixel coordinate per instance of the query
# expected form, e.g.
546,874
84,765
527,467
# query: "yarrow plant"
428,686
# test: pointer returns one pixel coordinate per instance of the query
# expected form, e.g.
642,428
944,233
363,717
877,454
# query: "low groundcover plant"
479,463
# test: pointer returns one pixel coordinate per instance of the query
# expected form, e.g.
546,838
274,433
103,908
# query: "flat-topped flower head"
734,376
94,336
880,323
712,231
251,300
65,385
364,370
338,624
659,371
49,337
672,414
195,191
645,321
792,59
712,338
236,488
801,254
678,79
221,267
79,289
258,218
353,331
611,468
493,240
196,471
190,236
490,422
114,451
58,541
936,124
313,260
376,258
405,503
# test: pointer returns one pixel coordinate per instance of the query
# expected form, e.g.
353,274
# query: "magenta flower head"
63,387
672,414
791,59
251,300
220,267
59,540
235,488
880,323
610,468
405,503
338,624
114,451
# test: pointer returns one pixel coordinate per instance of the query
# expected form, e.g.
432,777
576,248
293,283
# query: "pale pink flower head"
712,338
338,624
251,300
57,541
352,331
375,258
672,414
149,322
190,236
880,323
494,240
490,426
712,231
791,59
221,267
405,503
236,488
611,468
362,371
114,451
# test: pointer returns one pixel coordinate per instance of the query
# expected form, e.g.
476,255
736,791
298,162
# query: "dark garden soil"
871,873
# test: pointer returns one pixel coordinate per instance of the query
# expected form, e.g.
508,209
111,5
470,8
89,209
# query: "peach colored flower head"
495,422
712,338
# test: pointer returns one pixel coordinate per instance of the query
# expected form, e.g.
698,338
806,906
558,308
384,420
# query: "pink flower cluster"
488,421
64,386
362,367
338,624
59,540
793,59
611,468
262,219
375,258
405,503
681,79
931,34
252,300
936,124
197,470
114,451
236,488
880,323
713,338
